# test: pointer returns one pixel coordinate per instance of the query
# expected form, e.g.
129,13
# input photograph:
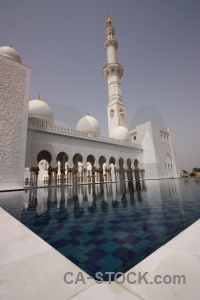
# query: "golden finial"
87,114
108,22
38,97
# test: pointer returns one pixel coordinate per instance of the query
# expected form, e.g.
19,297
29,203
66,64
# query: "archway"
77,169
136,163
77,158
102,166
42,176
44,154
112,162
90,168
121,169
169,166
62,160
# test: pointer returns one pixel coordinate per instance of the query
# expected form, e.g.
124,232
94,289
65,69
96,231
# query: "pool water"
108,227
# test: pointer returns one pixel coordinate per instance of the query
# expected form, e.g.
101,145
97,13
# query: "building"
54,155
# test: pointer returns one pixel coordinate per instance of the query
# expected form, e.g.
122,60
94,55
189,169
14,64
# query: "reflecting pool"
107,227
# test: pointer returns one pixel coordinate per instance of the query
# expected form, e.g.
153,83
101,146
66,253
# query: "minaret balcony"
111,42
114,68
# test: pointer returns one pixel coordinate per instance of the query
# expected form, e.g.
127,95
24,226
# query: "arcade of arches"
89,170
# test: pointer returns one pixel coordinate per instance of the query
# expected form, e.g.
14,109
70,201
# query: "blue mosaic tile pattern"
110,227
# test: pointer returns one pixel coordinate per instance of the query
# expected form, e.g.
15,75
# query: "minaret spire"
108,22
113,72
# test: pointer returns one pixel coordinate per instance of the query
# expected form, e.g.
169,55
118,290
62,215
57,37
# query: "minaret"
113,72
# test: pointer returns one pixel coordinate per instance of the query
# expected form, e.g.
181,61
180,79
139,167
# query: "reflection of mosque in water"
178,201
148,208
95,196
164,206
76,198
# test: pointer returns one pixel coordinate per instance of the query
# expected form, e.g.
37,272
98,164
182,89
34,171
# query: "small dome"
120,132
11,53
40,111
88,124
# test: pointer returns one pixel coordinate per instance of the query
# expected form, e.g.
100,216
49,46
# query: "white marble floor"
31,269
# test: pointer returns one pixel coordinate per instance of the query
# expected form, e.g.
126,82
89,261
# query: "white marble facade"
14,98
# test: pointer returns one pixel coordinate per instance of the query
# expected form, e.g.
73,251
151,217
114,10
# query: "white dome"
41,111
88,124
11,53
120,132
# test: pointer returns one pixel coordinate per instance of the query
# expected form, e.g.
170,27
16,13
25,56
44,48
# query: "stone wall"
14,97
40,139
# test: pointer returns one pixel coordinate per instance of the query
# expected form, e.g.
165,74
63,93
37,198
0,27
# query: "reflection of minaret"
113,72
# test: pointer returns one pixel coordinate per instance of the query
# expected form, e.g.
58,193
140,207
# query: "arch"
136,163
91,159
112,71
169,165
111,174
121,162
168,156
102,164
129,162
121,169
62,157
77,169
102,160
44,154
43,176
112,160
90,168
77,158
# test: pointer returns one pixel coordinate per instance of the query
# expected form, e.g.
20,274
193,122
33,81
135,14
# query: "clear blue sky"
159,48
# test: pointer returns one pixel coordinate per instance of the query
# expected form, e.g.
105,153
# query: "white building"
52,154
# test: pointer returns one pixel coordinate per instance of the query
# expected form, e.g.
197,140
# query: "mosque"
35,151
